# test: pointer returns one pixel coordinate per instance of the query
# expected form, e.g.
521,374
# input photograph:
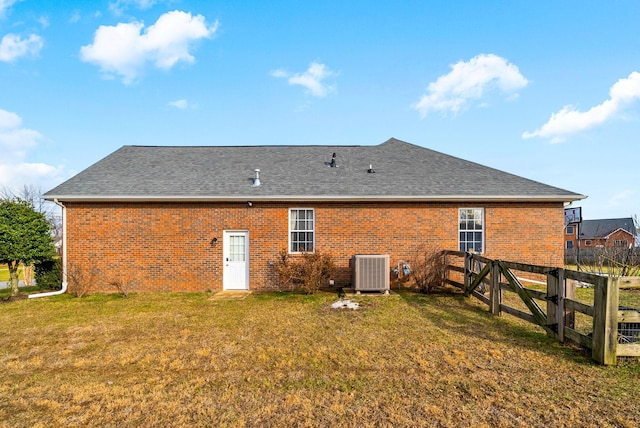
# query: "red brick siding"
167,246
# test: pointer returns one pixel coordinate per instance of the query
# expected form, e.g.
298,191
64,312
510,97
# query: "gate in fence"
546,296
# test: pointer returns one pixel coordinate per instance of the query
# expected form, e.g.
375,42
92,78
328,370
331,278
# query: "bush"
82,279
306,272
48,274
428,267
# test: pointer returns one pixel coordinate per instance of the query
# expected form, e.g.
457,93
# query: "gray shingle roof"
403,171
594,229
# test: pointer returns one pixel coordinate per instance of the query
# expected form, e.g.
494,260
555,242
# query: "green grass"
283,359
4,272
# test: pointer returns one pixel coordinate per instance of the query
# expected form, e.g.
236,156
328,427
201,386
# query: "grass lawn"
4,272
281,359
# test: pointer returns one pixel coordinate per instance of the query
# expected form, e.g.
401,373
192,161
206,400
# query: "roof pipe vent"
332,164
371,170
256,179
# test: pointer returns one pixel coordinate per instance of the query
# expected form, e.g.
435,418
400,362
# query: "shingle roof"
403,171
594,229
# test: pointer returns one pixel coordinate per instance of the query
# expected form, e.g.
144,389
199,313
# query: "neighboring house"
589,240
205,218
605,233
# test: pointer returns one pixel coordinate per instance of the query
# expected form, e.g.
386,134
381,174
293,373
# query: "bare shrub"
611,261
306,272
81,279
123,285
428,267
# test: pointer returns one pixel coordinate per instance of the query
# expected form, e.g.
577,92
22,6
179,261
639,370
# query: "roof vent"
332,164
371,170
256,179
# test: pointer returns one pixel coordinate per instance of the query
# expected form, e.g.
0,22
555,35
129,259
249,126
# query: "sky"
547,90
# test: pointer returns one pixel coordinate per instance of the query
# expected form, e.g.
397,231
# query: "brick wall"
168,246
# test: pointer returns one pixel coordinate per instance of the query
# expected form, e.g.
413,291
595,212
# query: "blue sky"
548,90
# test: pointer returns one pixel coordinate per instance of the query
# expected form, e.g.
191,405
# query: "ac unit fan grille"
371,272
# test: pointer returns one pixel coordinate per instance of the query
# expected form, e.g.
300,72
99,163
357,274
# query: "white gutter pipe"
64,257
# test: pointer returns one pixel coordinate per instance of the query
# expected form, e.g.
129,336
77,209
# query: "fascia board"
327,198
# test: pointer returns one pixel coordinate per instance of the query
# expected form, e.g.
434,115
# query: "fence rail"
555,308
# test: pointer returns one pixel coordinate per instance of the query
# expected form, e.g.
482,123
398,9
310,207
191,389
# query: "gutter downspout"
64,256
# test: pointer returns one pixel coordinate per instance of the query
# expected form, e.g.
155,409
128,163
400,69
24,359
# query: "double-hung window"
301,230
471,229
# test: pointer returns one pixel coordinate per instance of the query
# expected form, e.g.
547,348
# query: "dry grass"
583,323
282,359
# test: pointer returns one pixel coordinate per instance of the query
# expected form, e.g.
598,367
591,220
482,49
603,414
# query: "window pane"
301,227
237,251
471,229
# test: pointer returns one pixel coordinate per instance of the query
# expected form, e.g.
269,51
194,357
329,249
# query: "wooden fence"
555,308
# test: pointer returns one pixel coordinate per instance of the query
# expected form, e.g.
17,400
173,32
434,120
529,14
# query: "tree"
33,195
25,237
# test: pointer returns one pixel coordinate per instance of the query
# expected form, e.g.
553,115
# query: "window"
569,245
569,230
620,243
237,251
301,230
471,229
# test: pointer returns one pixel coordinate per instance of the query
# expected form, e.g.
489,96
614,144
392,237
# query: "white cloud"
125,49
117,7
44,21
569,120
4,5
75,17
13,47
470,80
623,197
15,141
181,104
312,79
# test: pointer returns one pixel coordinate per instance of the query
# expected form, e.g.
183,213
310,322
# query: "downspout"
64,256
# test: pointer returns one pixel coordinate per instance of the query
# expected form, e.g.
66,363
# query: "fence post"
447,270
467,271
495,296
561,310
605,320
553,304
569,293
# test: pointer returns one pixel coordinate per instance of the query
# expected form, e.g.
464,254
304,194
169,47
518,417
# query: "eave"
317,198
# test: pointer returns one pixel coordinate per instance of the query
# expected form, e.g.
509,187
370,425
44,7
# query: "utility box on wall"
371,272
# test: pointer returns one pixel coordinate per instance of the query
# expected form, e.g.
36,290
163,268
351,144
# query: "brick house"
213,218
615,235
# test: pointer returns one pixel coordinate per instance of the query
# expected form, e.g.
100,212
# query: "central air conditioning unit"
371,273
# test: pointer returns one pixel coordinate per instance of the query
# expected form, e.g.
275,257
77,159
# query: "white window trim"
290,230
482,211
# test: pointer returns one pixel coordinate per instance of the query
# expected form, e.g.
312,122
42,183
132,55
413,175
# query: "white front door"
235,274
